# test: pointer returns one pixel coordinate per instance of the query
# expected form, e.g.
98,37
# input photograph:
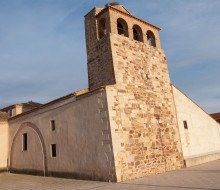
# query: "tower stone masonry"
124,54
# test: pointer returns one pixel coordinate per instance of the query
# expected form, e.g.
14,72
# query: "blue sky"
43,54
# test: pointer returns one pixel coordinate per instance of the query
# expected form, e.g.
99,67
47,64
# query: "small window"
151,38
137,33
10,113
185,125
53,150
122,27
102,28
52,125
24,142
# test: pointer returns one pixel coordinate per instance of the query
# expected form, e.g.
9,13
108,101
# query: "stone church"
129,123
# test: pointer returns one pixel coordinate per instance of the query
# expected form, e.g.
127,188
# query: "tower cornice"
129,15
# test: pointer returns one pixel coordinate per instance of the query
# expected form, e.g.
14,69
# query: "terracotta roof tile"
215,115
30,103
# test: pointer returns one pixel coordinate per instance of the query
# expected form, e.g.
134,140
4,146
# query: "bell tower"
124,54
99,24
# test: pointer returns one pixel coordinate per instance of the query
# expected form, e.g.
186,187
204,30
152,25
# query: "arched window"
151,38
122,27
102,28
137,33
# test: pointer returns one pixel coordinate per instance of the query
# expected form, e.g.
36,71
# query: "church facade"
131,121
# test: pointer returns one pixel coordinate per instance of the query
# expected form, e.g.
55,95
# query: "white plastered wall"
203,134
3,144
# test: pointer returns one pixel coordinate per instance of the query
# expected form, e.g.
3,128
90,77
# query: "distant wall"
81,135
202,138
18,109
3,144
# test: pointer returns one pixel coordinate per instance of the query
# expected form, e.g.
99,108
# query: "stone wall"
142,113
202,138
81,135
99,54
